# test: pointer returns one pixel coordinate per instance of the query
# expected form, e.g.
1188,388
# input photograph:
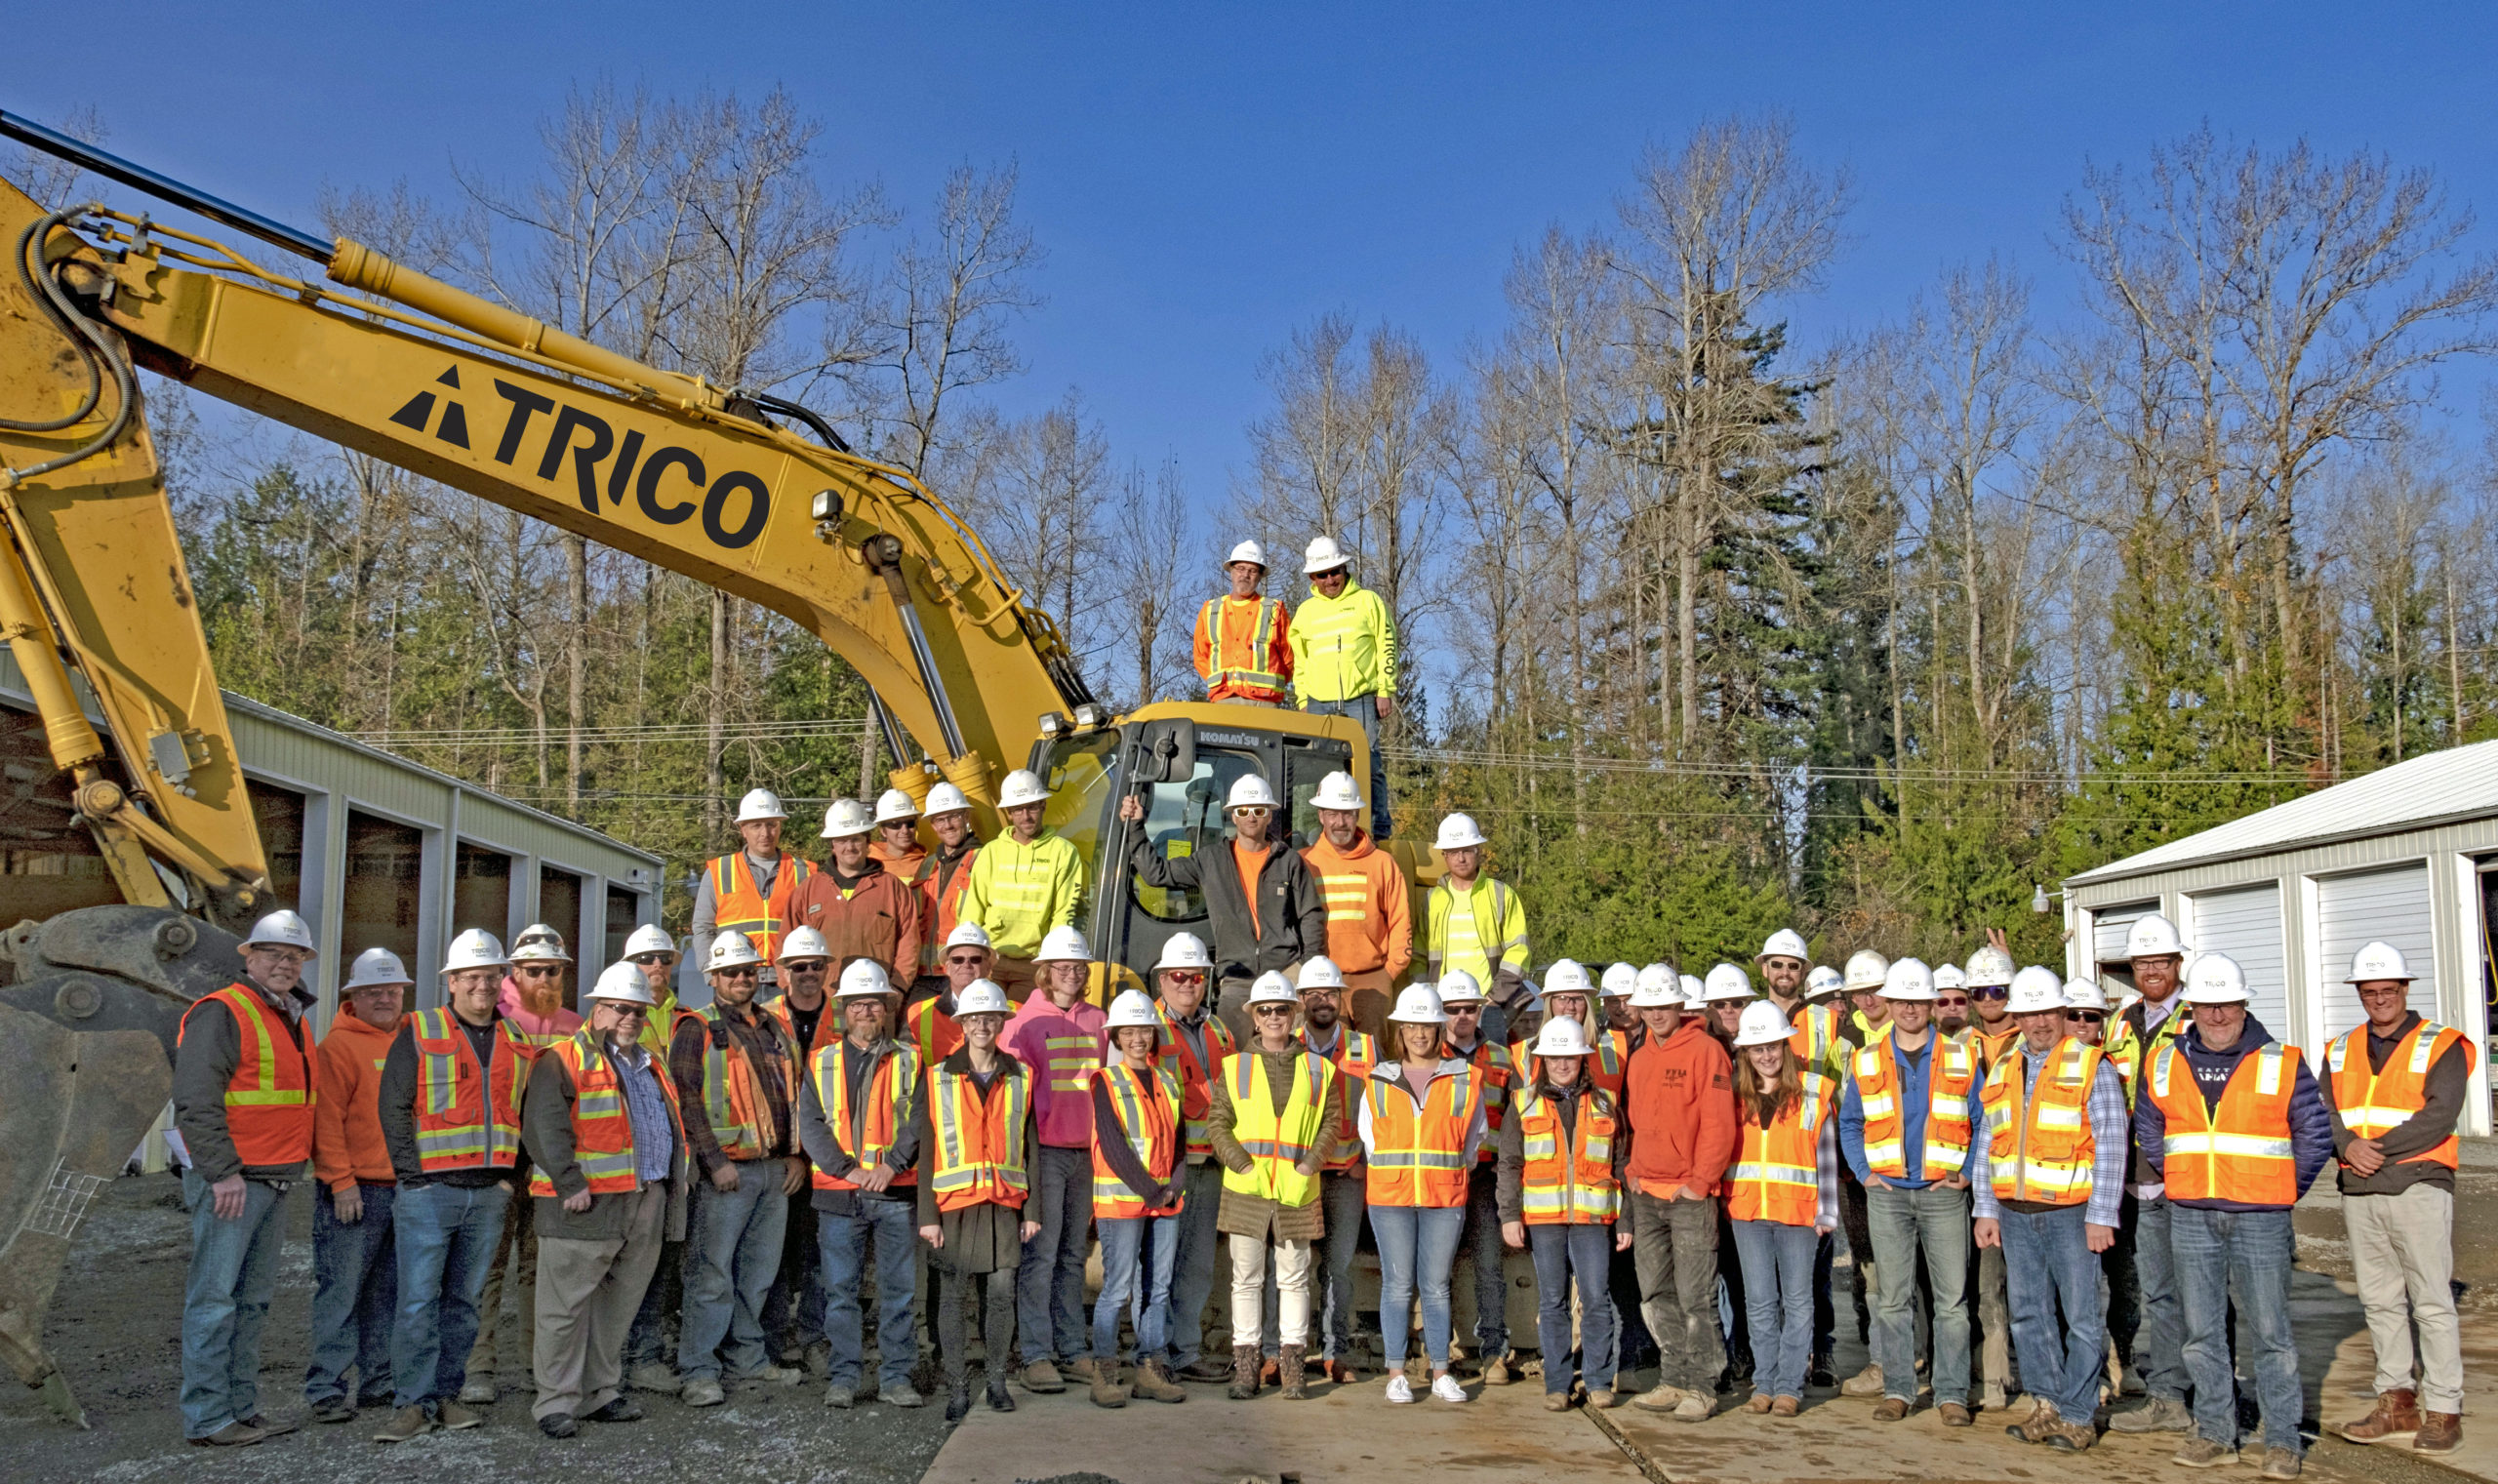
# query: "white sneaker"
1400,1391
1446,1388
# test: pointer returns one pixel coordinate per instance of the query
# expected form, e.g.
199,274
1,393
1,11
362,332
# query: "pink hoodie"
541,1028
1061,1047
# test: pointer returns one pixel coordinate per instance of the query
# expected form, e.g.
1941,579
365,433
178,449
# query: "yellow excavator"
743,489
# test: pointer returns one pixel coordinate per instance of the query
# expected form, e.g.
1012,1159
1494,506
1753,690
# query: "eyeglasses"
1260,809
2087,1017
1992,992
1183,976
743,970
295,957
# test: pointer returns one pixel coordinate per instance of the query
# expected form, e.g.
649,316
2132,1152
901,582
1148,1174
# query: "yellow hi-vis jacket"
1343,646
1277,1142
1020,892
1479,929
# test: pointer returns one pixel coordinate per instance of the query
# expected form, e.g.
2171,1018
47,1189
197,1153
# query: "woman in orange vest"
1560,1182
1137,1198
1421,1125
1782,1194
977,1146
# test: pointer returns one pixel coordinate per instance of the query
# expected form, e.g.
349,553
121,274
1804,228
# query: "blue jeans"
842,1241
355,1273
1049,1282
1417,1245
446,1236
226,1300
1585,1249
1364,709
1479,1242
1904,1225
1192,1269
2214,1249
1778,1294
1137,1258
2047,1265
2160,1352
732,1256
1345,1197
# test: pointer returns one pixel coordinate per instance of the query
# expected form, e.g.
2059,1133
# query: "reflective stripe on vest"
602,1122
1355,1054
467,1116
2239,1150
1151,1125
1247,672
933,1033
2373,1103
1197,1081
1607,1051
739,907
1276,1143
979,1158
1492,1060
270,1094
1951,1069
1776,1176
1465,947
943,907
2043,1148
1417,1155
1573,1185
734,1099
880,1122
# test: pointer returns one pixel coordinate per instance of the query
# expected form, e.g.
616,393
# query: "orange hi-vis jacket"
733,1094
1355,1054
941,909
1776,1176
933,1033
2374,1103
890,1088
1197,1082
1500,1074
738,907
1370,914
1609,1053
468,1118
602,1125
1147,1116
2041,1147
348,1147
1567,1180
271,1096
979,1158
827,1025
2240,1150
1951,1070
1417,1154
1244,648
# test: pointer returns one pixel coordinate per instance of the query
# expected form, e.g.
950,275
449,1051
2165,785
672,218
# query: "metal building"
2408,855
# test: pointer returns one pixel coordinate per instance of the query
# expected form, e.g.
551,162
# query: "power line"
659,732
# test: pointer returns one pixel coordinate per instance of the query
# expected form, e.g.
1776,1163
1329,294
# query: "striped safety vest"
2374,1103
1148,1116
270,1094
1776,1176
940,909
467,1116
1355,1054
1463,940
1567,1180
890,1089
602,1123
1279,1141
1817,1041
933,1033
1197,1082
1609,1051
2043,1148
2240,1150
978,1156
1239,652
733,1092
1417,1154
2124,1052
1951,1069
828,1025
739,906
1500,1074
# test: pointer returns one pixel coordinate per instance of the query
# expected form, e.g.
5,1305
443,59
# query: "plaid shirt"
2110,1148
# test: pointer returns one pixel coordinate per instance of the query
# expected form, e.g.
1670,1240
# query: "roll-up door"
2246,923
2108,929
2389,905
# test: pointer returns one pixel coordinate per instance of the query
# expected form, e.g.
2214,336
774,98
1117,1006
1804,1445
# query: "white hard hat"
1458,988
1727,982
1419,1005
1336,790
1319,972
804,942
2084,995
374,967
1695,991
283,929
1990,966
622,983
2215,978
1655,988
1250,788
1948,976
894,804
1323,555
982,996
760,804
1131,1006
731,949
1866,969
862,977
1561,1037
1763,1024
1022,786
1064,944
648,938
2153,936
540,943
1822,981
1183,950
2378,960
1908,979
1567,976
968,935
1247,551
1271,988
1785,943
946,798
2035,990
846,817
1458,832
475,948
1618,980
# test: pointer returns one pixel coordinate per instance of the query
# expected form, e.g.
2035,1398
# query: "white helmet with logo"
2379,960
760,804
1948,976
1319,972
968,935
731,949
1458,988
1336,790
1727,982
1064,944
540,944
862,977
1785,943
1250,791
283,929
1618,980
375,968
893,805
2215,978
1908,979
1990,966
1458,832
1271,988
1183,950
1865,970
1323,555
1821,982
802,943
982,996
1419,1005
1022,786
1131,1006
1561,1037
1567,976
650,938
1763,1024
844,819
946,798
1248,551
1695,991
475,948
2153,936
1655,988
2085,995
2035,990
624,983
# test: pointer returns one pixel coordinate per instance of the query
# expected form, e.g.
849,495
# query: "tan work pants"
1249,1288
2403,1249
588,1293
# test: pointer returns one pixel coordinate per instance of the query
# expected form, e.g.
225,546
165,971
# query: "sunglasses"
1992,992
1954,1002
2087,1017
1183,976
747,971
1271,1009
653,958
1260,809
541,970
968,960
629,1012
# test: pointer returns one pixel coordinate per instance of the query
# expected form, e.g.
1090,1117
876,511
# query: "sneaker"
478,1391
620,1408
406,1423
701,1391
1445,1388
839,1397
903,1394
333,1409
1040,1377
1821,1372
2160,1414
2200,1452
775,1374
2280,1464
558,1425
1865,1383
2071,1436
1400,1389
1693,1408
456,1417
654,1375
1659,1399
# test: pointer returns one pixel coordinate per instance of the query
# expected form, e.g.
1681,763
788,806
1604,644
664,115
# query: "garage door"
2390,904
2110,925
2246,925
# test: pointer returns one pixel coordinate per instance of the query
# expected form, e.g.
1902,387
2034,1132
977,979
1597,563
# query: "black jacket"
1292,917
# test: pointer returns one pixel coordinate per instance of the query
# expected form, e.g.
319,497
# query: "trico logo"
589,440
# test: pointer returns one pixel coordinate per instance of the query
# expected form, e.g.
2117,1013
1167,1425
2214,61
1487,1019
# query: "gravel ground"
115,1329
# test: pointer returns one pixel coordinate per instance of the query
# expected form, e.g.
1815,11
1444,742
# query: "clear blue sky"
1206,178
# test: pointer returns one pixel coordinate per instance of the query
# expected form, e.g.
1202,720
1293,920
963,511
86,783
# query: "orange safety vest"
738,906
933,1033
734,1099
1149,1119
980,1140
1816,1039
887,1114
602,1123
940,912
1355,1054
467,1116
1608,1051
1492,1060
1776,1176
2239,1151
1567,1180
1951,1069
2374,1103
270,1097
1417,1154
1247,659
1992,1044
1197,1081
2041,1146
828,1025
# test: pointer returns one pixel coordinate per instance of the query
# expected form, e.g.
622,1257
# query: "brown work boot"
1106,1390
1500,1370
405,1424
1154,1382
235,1434
2440,1432
1955,1413
1040,1378
1294,1362
1244,1372
1757,1404
2395,1418
1890,1409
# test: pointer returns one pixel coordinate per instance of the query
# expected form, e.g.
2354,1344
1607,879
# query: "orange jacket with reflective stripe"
1417,1154
1196,1079
1355,1054
1567,1179
1244,648
979,1153
2239,1150
1370,914
940,911
1776,1176
270,1097
602,1124
2041,1147
1149,1119
467,1119
734,1099
933,1033
738,907
1951,1069
888,1112
2374,1103
1500,1074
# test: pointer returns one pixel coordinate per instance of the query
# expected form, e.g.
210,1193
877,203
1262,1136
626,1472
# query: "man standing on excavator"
1244,641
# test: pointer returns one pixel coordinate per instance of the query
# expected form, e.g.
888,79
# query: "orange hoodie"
1370,920
346,1123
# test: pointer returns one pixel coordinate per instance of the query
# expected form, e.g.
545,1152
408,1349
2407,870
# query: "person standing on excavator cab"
1343,658
1244,641
1024,883
749,890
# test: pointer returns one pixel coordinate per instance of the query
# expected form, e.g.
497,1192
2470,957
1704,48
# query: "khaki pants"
1018,976
1249,1288
2402,1247
1368,997
588,1293
519,1249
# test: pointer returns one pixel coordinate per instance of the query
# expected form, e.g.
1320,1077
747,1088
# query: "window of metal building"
560,907
385,880
481,892
278,813
2108,929
2389,905
623,907
2245,924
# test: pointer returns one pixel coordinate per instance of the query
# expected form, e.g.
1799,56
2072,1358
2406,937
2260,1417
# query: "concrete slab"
2350,1387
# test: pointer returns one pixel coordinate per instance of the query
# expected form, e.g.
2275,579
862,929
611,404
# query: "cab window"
1184,819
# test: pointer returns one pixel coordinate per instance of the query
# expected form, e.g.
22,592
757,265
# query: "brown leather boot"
1244,1372
2440,1432
1292,1360
2396,1417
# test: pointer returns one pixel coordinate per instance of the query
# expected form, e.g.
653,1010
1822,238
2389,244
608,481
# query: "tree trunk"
715,716
576,665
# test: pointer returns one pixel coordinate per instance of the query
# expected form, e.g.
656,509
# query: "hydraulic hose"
93,344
